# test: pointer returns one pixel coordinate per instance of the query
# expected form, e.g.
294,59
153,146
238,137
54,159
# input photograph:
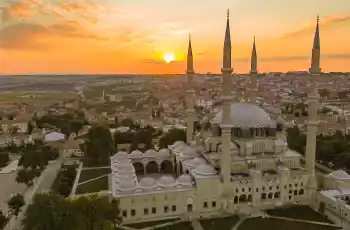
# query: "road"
42,184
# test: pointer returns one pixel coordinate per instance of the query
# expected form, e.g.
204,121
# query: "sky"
133,36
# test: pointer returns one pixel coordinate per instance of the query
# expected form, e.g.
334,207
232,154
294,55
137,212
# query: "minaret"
254,60
190,94
312,127
225,157
315,59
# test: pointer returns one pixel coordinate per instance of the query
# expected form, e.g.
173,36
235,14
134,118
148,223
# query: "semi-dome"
184,179
150,153
246,115
205,170
147,182
196,162
167,181
136,154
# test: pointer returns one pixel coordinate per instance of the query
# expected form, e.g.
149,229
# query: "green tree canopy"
52,211
171,137
99,144
15,204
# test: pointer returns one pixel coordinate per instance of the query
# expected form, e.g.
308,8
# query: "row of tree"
54,212
65,180
100,145
67,123
330,149
33,160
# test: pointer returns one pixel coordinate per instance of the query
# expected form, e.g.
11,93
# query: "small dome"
167,181
184,179
178,144
164,152
136,154
188,151
126,186
205,170
196,162
246,115
147,182
340,175
150,153
121,157
125,167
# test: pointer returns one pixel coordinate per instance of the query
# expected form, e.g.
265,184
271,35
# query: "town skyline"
62,37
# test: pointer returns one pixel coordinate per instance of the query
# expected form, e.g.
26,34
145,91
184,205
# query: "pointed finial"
228,14
318,19
254,39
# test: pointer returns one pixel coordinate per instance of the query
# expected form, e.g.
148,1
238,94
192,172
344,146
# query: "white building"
242,163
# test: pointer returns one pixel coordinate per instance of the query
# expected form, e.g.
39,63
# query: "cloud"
32,36
325,23
21,9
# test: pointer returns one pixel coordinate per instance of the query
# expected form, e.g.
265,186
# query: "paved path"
196,225
41,184
93,179
76,180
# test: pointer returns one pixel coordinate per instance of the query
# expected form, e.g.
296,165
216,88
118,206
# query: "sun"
169,57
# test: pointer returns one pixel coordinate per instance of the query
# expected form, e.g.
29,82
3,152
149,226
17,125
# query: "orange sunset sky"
132,36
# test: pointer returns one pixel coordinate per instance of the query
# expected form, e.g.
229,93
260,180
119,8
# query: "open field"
10,98
299,212
87,174
223,223
276,224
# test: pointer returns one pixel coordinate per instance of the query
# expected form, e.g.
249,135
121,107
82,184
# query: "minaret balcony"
226,70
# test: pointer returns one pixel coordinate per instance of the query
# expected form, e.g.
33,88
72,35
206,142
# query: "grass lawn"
275,224
299,212
64,180
179,226
225,223
87,174
93,186
150,223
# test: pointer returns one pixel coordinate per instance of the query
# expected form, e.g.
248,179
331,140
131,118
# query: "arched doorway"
236,200
249,198
152,167
139,168
189,207
270,195
166,167
277,195
242,198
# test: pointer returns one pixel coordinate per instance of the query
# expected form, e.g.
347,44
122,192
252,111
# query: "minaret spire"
190,94
316,51
227,44
254,60
189,57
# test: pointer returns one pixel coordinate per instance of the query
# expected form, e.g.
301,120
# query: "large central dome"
246,115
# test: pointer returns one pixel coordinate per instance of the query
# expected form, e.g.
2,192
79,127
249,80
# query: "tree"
99,144
171,137
3,220
27,175
4,158
15,204
52,211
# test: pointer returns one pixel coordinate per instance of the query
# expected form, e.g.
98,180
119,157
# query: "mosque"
240,165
